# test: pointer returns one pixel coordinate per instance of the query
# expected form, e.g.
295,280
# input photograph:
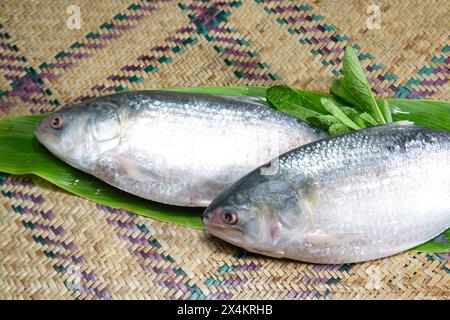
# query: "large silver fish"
175,148
360,196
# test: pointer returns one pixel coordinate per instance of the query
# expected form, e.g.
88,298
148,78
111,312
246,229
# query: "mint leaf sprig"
352,106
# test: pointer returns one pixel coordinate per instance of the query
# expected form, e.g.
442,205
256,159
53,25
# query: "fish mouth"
46,136
231,234
43,134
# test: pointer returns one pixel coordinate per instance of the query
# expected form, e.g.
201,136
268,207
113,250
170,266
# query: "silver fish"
356,197
174,148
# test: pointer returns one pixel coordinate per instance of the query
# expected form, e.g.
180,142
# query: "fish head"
256,213
80,134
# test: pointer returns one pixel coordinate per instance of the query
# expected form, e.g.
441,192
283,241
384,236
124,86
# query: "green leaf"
387,111
323,121
368,119
354,116
349,112
333,109
426,113
338,88
337,129
355,82
440,244
292,102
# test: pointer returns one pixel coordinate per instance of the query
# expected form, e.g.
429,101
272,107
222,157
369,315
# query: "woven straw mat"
57,246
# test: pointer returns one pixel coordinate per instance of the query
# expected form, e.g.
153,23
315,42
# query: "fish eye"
57,122
230,216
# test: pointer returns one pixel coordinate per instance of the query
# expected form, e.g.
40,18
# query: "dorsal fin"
245,99
401,123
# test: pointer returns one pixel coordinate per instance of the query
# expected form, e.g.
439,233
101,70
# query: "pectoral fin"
135,169
309,197
273,254
327,240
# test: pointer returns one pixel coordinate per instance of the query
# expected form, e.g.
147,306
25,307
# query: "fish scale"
356,197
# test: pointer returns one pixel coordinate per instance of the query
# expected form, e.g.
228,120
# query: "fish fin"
309,195
398,124
328,240
402,123
135,169
273,254
246,99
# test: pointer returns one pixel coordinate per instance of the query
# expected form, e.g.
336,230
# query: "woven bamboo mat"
55,245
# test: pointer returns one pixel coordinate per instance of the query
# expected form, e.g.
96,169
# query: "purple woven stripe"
70,245
11,68
182,30
59,231
420,94
220,296
146,255
12,77
233,282
46,215
115,78
445,256
130,225
62,65
314,280
157,270
161,48
289,8
103,293
302,294
80,55
206,17
143,241
148,250
236,52
144,60
112,210
95,46
406,88
434,83
26,197
28,87
52,242
5,105
248,267
76,260
327,267
172,284
5,46
128,68
225,39
18,182
255,76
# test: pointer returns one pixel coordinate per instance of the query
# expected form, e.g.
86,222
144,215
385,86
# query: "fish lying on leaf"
174,148
359,196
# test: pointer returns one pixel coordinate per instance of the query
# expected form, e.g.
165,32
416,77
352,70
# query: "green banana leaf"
21,153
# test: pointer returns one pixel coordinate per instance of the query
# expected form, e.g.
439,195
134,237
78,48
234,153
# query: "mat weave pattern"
55,245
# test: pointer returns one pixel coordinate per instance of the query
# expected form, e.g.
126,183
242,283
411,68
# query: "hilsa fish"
171,147
360,196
